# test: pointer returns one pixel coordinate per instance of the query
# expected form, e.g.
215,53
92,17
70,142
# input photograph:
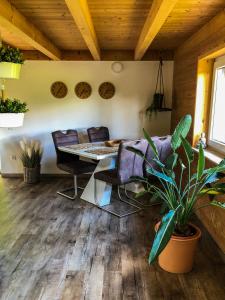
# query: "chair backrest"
163,145
98,134
65,138
166,148
128,163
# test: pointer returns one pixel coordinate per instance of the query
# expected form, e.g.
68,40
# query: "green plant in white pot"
11,60
12,112
31,155
180,189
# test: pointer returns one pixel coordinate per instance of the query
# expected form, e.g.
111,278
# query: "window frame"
218,146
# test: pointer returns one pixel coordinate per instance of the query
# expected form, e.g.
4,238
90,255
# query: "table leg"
103,189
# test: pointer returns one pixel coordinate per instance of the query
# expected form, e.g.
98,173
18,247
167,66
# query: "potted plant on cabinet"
12,112
176,237
31,156
11,60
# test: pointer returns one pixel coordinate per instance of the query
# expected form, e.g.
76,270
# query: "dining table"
105,157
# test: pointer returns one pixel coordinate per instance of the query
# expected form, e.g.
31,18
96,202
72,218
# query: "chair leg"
138,202
120,198
74,188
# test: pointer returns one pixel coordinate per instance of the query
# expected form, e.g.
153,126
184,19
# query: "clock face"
106,90
59,89
83,90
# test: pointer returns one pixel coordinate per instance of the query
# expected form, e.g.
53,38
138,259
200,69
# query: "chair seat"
77,167
109,176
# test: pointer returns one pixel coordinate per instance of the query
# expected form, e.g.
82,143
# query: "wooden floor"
53,248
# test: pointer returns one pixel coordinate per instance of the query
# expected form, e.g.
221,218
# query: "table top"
96,151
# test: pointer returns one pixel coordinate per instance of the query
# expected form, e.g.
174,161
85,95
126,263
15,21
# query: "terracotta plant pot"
178,255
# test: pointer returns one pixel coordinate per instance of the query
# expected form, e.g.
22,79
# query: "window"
217,118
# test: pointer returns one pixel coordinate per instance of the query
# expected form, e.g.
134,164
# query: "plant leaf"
220,167
182,129
188,149
160,175
163,235
218,204
151,143
159,163
201,162
214,177
171,161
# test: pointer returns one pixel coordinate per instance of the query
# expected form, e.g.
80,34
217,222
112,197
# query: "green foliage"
180,196
31,154
12,106
164,233
9,54
180,131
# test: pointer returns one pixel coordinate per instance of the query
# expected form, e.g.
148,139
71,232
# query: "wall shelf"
164,109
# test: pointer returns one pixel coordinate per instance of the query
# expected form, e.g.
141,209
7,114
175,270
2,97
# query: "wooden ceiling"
135,25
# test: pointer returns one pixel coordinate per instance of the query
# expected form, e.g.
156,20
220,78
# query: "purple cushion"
163,145
130,164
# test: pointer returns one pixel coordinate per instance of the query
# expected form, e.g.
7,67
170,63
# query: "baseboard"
20,175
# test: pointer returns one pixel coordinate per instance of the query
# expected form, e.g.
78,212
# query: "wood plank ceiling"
117,24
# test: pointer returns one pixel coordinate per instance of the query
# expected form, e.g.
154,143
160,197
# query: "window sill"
211,155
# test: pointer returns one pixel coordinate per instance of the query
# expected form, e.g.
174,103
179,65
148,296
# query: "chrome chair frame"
144,206
75,188
138,209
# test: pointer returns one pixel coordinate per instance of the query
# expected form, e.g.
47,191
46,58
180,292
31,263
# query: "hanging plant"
158,98
12,55
12,113
11,60
12,106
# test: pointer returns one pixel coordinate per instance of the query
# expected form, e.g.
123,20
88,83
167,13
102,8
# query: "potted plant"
11,60
179,189
156,104
31,156
158,97
12,112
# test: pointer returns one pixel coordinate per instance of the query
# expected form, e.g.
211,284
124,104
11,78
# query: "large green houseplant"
180,190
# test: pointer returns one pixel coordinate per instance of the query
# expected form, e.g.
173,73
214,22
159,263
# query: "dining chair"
163,145
98,134
128,164
70,163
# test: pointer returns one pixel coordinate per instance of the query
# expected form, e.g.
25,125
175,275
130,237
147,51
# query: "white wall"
123,114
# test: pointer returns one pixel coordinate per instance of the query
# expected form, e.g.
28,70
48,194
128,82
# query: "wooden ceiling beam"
157,16
13,21
106,55
82,17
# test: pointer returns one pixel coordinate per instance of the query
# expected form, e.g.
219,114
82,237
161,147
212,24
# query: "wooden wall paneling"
82,17
160,10
190,61
13,21
106,55
118,24
186,18
55,20
203,98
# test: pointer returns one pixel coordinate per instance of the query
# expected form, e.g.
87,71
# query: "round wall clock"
59,89
83,90
106,90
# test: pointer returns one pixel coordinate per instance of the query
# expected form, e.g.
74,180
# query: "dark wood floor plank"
52,248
